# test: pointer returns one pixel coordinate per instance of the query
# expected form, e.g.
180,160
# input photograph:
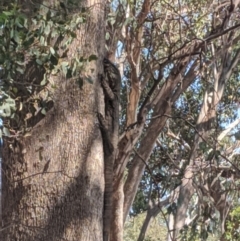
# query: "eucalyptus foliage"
28,42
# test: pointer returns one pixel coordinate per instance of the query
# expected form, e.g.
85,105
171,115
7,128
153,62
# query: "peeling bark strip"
109,128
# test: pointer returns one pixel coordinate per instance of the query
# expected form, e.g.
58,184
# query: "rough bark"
109,127
53,180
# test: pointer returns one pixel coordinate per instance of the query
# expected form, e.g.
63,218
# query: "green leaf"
92,57
47,30
15,90
39,61
10,102
54,33
42,41
43,111
8,13
107,36
12,33
6,131
43,82
20,63
19,22
52,50
65,66
17,37
79,20
20,70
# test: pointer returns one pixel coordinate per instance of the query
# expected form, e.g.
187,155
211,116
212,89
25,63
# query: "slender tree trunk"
170,227
153,210
53,181
162,109
185,194
145,225
117,225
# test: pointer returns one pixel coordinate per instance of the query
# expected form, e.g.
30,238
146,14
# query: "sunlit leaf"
6,132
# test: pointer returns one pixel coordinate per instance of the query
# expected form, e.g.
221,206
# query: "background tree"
171,48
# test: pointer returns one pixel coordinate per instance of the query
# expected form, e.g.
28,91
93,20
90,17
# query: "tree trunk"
117,221
153,210
53,181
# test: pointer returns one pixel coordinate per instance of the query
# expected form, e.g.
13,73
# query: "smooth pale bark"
163,103
204,126
135,173
53,181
